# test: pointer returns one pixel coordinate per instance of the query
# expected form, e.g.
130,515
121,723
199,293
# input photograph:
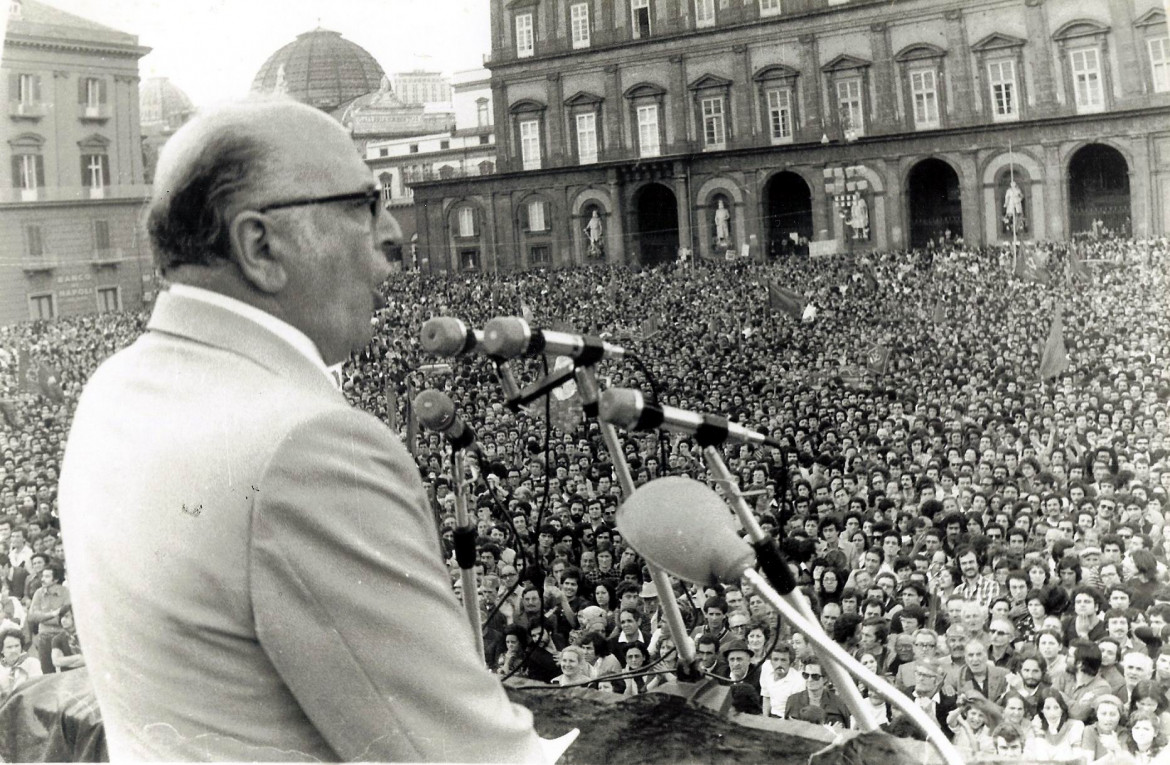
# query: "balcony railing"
442,174
98,113
34,263
27,110
138,192
110,256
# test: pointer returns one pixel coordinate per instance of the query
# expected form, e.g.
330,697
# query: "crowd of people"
993,543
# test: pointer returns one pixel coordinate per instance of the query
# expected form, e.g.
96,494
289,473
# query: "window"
414,148
466,221
386,181
383,152
28,89
641,18
587,138
469,259
444,144
1160,64
40,307
769,7
28,171
714,127
780,113
579,22
849,107
482,116
648,142
704,13
101,236
93,92
34,241
536,220
1002,77
1086,72
530,144
108,299
524,42
538,256
95,170
484,140
925,95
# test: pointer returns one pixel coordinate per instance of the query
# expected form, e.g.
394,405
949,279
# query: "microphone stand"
465,554
588,389
777,569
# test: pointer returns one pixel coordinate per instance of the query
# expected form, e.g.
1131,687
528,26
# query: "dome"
162,105
321,69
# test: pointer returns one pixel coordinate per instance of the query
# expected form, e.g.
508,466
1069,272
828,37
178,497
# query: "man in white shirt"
778,680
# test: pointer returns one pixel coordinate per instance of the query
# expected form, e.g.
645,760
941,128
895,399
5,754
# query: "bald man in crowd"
257,574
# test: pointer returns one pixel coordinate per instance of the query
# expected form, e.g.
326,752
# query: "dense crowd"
991,542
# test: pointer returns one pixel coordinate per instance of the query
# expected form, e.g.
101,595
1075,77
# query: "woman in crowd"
1102,738
1057,736
574,668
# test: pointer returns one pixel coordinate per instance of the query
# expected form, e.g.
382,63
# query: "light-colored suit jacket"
255,570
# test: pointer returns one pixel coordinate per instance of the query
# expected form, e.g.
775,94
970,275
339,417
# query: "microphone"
507,337
683,527
448,336
628,408
436,411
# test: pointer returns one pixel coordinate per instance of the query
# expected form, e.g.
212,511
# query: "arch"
27,141
716,184
94,141
526,105
934,200
1071,149
585,196
786,198
775,72
919,52
656,223
580,212
1099,191
1020,157
644,90
1071,30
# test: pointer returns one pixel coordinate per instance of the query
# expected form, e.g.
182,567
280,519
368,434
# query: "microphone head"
621,406
683,527
434,409
443,336
506,337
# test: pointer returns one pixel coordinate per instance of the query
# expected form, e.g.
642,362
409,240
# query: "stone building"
750,127
71,202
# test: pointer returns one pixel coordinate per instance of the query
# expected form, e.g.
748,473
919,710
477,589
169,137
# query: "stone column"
744,131
615,114
503,125
556,119
812,116
1043,85
885,110
680,100
682,193
1054,193
958,64
615,237
972,200
1129,48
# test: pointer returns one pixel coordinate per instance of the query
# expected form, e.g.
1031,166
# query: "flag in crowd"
1030,265
782,299
878,359
939,316
650,327
39,378
1054,360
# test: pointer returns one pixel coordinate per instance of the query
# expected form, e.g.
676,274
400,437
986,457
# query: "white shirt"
778,691
282,329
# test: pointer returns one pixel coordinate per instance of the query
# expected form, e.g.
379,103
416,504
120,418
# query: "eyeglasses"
372,197
811,676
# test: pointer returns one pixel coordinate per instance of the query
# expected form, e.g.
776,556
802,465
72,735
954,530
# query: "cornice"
75,46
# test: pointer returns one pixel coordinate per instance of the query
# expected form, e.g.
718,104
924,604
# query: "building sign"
75,293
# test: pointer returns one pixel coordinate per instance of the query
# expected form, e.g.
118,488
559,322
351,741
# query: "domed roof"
321,69
162,106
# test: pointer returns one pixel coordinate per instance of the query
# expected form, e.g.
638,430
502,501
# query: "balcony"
32,264
110,256
26,110
98,113
76,194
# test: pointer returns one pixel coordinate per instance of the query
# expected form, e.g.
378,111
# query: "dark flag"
877,359
1077,266
411,423
1029,266
27,372
1054,360
650,327
781,299
49,384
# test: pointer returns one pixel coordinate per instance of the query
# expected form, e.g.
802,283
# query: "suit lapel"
211,325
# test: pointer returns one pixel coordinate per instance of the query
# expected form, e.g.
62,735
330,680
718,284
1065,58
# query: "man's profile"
305,611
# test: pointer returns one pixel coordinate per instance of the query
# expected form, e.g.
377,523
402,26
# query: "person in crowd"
66,649
815,694
16,665
1102,738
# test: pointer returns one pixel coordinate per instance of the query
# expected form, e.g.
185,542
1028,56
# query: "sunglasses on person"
811,675
371,196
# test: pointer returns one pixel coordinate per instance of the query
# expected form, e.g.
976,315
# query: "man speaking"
256,574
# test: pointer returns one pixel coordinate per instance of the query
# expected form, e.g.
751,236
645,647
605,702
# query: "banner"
781,299
1054,360
878,359
822,248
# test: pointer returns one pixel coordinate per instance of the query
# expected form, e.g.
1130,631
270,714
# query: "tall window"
704,13
108,299
640,11
536,221
34,241
466,221
40,307
769,7
524,40
780,113
648,143
28,171
1086,73
95,170
579,21
93,93
1160,64
530,144
482,116
849,106
538,256
28,89
925,93
714,127
587,138
1001,75
101,236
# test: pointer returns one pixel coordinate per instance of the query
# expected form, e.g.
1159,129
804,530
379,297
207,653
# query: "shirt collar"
282,329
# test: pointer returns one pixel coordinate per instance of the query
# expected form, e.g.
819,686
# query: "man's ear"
257,250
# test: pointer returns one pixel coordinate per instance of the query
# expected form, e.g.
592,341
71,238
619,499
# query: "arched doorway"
787,211
935,202
656,224
1098,190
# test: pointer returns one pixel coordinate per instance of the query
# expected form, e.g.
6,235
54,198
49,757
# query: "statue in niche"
1013,209
594,230
722,224
859,218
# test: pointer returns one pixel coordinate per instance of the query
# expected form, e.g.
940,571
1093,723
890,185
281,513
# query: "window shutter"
85,171
106,180
16,171
14,87
81,95
101,91
524,222
37,88
40,163
475,222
